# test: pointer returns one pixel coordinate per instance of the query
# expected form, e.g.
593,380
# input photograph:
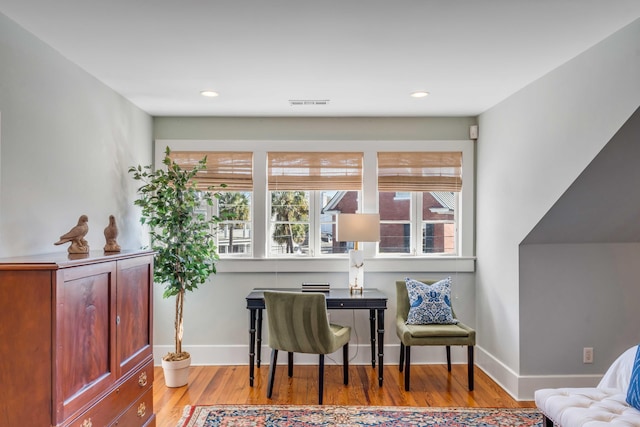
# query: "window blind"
233,168
420,171
314,171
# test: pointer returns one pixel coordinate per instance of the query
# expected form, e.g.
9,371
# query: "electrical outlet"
587,355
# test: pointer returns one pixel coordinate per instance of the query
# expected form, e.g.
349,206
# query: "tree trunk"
179,330
290,240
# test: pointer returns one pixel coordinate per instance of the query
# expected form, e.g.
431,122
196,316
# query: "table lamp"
357,228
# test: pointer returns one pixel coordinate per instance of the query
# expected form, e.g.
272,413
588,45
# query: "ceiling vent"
296,102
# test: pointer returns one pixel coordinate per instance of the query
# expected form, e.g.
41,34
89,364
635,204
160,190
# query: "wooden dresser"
76,340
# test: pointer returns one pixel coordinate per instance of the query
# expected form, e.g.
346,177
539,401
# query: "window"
418,200
233,235
231,175
306,191
421,228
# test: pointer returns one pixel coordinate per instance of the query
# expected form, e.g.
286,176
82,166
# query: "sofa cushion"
604,405
618,375
429,304
586,407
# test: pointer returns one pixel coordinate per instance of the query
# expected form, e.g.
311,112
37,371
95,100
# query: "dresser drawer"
138,414
119,399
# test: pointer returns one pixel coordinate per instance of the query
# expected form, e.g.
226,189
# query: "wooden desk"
339,299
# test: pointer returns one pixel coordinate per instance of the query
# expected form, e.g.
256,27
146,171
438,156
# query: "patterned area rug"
351,416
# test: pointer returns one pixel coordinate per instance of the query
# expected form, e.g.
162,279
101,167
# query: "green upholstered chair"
298,323
432,334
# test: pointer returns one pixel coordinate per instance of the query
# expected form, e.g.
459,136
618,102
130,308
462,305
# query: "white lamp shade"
358,228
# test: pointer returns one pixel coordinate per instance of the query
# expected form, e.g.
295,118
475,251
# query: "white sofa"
604,405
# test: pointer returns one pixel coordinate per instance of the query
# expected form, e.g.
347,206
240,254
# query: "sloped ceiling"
603,203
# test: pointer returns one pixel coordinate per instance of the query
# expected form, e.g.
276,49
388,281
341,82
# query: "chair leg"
401,356
407,367
320,379
290,363
272,372
345,362
546,421
470,366
448,358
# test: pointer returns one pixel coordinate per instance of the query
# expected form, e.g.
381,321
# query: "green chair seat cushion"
420,331
459,334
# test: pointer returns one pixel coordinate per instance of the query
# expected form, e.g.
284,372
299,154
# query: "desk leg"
372,334
252,343
380,345
259,340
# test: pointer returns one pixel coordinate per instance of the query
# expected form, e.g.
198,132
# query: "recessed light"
420,94
209,93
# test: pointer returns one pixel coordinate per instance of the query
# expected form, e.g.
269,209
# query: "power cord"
355,332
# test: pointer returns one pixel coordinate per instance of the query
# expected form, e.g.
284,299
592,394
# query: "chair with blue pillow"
425,316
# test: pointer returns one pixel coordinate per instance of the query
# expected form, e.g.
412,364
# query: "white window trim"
464,261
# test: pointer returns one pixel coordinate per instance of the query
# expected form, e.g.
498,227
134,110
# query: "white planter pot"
176,374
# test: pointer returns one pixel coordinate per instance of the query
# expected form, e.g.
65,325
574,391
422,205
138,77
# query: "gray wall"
532,147
577,295
65,146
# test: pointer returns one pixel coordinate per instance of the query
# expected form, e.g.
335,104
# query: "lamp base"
356,270
356,289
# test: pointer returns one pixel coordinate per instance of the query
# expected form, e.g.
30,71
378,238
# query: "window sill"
339,265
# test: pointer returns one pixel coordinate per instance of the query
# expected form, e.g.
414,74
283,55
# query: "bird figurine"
76,237
110,234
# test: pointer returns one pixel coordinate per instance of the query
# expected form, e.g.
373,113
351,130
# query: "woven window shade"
315,171
420,171
233,168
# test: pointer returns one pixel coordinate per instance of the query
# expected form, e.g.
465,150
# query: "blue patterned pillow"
633,394
430,304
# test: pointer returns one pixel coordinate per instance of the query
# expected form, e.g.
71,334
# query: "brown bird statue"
110,234
76,237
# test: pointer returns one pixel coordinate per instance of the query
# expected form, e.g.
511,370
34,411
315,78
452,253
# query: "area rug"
352,416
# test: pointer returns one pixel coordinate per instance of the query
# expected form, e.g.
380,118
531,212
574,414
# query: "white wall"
531,147
67,141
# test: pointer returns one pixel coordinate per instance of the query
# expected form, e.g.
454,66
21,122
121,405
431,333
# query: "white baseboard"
523,387
520,387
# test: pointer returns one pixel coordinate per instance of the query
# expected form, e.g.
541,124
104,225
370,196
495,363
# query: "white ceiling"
364,56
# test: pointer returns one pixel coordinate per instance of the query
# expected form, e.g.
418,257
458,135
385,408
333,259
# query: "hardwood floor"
431,385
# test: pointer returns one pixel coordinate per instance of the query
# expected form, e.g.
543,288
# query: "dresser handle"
142,409
87,423
142,380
